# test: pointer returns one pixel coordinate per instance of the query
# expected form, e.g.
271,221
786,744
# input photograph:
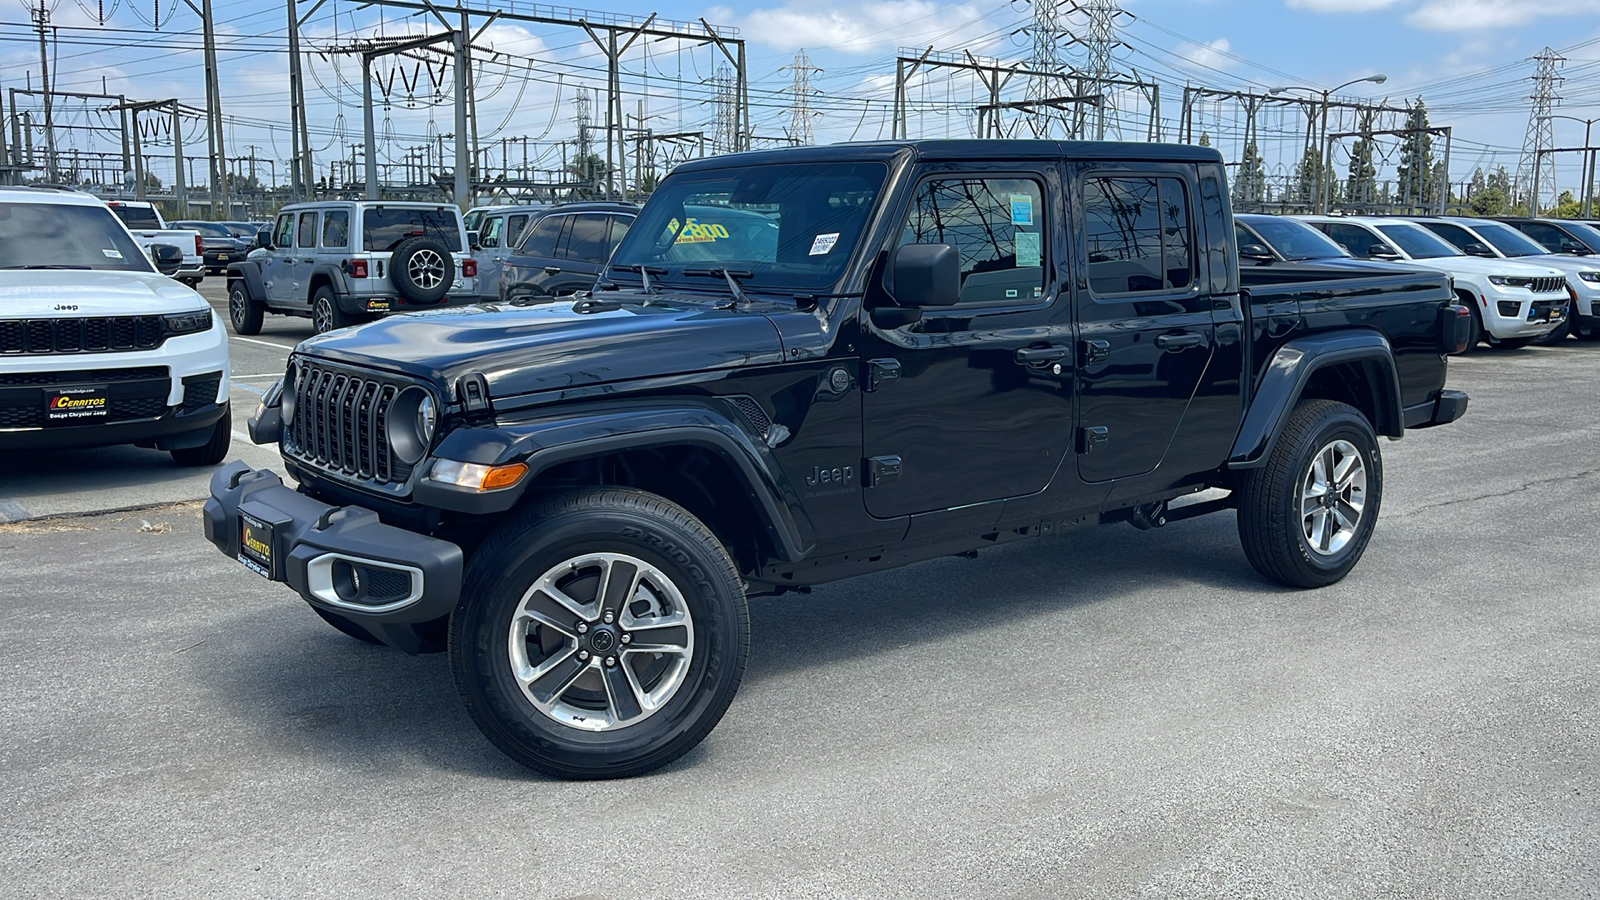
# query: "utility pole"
1534,164
41,20
300,164
215,143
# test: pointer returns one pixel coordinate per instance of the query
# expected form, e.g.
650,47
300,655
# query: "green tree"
1491,201
1305,181
1250,185
1416,185
1499,180
590,174
1361,187
1567,207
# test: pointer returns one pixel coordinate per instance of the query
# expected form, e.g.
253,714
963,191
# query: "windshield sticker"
1028,252
112,254
699,233
824,243
1021,209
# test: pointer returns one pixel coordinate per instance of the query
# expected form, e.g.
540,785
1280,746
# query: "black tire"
1585,334
213,450
1558,336
1513,343
685,572
1475,330
325,312
422,269
347,627
245,313
1272,509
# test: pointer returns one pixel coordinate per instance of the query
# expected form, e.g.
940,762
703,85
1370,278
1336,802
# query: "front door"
1145,323
491,254
974,402
277,269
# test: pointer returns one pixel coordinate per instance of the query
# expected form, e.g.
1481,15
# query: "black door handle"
552,270
1183,340
1037,355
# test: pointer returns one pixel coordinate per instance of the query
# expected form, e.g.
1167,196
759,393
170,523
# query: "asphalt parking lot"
1112,713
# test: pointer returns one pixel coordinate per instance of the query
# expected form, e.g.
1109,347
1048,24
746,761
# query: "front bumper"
388,581
1519,314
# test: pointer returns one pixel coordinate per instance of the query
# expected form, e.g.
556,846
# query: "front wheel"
602,634
1306,515
245,313
218,439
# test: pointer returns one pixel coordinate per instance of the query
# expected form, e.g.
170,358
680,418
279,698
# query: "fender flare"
249,271
577,434
336,277
1291,369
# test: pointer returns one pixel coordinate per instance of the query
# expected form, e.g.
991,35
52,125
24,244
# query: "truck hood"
525,349
1477,265
48,293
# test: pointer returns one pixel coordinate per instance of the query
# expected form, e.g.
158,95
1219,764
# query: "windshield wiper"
644,275
45,266
732,276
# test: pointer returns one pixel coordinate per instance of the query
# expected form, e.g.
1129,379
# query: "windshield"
384,227
56,235
1418,242
1508,240
791,227
138,216
1294,239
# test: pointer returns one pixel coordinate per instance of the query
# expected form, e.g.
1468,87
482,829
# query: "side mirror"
1477,249
168,259
927,275
263,240
1379,251
1574,248
475,240
1256,252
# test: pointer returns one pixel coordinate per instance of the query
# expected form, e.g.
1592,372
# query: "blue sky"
1466,58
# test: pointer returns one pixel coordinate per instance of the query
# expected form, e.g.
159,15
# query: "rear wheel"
325,312
244,313
1305,517
600,635
1475,329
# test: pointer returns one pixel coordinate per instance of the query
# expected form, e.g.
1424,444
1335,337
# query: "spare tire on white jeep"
422,269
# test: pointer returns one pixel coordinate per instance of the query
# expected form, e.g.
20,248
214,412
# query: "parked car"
219,244
1265,240
342,261
96,346
563,249
938,354
1497,240
149,229
1558,235
247,230
498,229
1513,304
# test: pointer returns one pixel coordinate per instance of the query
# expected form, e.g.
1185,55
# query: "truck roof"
970,149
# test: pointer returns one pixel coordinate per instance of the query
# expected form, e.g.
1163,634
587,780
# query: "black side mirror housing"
1379,251
1574,248
167,258
1256,252
263,240
927,275
474,240
1477,249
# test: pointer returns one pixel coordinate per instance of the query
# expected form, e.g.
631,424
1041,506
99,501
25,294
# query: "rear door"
585,244
306,233
535,263
1145,318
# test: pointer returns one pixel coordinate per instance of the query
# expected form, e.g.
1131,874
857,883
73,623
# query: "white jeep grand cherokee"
96,346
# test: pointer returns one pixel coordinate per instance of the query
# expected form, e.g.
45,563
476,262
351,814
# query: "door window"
543,236
1139,234
283,236
1356,240
997,227
619,228
307,236
490,236
586,240
514,226
336,229
1548,235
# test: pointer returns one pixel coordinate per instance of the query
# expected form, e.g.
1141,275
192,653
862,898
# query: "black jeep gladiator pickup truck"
901,351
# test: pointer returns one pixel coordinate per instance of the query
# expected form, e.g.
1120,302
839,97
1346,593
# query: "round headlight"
411,421
286,401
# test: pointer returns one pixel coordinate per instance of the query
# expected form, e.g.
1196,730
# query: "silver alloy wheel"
426,268
601,642
236,305
322,317
1333,496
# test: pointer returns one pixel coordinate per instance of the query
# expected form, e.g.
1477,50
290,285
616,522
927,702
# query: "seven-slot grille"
1549,284
339,423
91,334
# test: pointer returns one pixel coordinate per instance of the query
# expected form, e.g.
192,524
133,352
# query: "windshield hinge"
473,391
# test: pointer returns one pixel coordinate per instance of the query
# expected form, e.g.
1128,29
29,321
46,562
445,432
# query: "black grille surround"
132,394
340,425
85,334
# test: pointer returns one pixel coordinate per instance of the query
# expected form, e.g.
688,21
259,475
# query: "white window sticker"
824,243
1027,249
112,254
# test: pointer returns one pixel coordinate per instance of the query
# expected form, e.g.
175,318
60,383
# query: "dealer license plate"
82,405
255,545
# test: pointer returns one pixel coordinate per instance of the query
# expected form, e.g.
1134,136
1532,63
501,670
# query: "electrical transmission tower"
585,142
725,138
800,130
1536,168
1098,39
1045,59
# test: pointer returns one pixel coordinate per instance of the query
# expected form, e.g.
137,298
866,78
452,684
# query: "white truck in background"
147,226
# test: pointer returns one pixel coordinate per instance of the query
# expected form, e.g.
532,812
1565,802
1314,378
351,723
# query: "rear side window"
619,228
1139,232
384,227
1356,241
514,226
336,229
307,235
543,236
137,217
1455,234
997,227
586,239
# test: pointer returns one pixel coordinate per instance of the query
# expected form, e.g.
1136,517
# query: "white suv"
96,346
1513,304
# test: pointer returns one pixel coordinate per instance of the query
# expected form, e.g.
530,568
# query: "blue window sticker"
1021,209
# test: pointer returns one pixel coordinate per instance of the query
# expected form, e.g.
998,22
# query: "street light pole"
1321,205
1588,164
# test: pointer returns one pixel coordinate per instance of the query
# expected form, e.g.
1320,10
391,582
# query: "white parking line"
235,337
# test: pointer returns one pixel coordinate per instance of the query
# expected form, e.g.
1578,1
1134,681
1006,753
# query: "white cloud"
1342,6
859,28
1212,55
1470,15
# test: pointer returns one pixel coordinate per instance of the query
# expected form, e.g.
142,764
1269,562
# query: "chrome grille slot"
339,423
